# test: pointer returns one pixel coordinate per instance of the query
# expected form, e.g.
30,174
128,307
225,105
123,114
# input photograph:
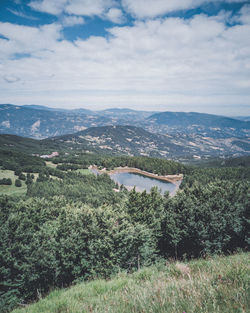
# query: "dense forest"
72,226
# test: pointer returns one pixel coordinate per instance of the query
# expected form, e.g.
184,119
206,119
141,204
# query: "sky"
164,55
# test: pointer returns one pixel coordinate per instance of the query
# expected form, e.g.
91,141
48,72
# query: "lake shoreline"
174,179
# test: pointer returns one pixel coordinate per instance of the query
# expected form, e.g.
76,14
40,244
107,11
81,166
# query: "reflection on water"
141,183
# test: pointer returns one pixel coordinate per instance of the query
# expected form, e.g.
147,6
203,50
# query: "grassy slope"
11,189
219,284
83,171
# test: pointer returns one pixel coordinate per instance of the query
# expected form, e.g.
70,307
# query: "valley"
190,200
124,156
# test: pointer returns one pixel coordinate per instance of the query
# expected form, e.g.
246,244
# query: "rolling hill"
41,122
131,140
166,134
207,125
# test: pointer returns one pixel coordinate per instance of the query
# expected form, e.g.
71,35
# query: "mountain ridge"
133,140
164,134
41,122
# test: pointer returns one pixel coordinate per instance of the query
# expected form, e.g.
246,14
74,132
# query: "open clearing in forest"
11,189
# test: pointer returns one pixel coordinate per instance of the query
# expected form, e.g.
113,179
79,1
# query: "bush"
5,181
29,179
22,177
18,183
18,172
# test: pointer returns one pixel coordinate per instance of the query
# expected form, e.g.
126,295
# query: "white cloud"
88,7
23,15
153,8
109,8
244,16
164,63
54,7
72,20
11,79
105,9
26,39
75,7
115,15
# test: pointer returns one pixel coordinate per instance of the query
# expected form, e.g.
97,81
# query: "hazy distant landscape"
124,156
175,135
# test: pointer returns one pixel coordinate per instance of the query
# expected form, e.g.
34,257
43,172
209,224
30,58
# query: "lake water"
141,183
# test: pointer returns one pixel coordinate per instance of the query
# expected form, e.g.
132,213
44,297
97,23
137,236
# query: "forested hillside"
72,226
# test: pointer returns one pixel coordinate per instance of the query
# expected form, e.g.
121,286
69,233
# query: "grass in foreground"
220,284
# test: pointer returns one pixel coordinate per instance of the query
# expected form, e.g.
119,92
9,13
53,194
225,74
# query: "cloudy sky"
166,55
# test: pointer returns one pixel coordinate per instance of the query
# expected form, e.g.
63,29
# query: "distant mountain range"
129,140
162,134
41,123
243,118
207,125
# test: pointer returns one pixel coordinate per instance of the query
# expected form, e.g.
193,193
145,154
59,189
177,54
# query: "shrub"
18,183
22,177
5,181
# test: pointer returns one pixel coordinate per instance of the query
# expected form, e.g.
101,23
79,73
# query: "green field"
12,189
83,171
50,164
215,285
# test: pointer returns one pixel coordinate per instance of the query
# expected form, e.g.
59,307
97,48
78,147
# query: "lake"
141,183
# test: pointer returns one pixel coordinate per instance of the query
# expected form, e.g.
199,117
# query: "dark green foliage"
18,172
24,145
152,165
72,227
18,183
206,175
146,208
66,167
29,179
231,162
53,243
5,181
22,176
207,219
20,162
86,188
43,177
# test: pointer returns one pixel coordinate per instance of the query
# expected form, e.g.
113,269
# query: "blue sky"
175,55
